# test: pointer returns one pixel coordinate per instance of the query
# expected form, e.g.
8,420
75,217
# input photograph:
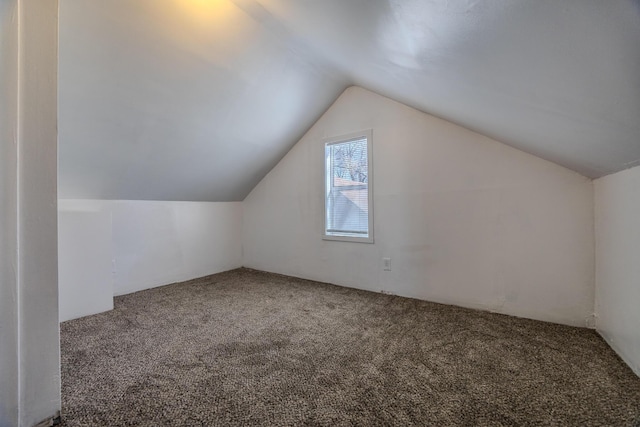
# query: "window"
348,201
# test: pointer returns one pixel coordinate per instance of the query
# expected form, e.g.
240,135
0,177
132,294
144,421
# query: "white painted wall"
164,242
617,201
84,263
8,214
29,344
155,243
37,213
466,220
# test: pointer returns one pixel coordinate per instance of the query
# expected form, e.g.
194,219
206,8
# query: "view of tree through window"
350,160
347,189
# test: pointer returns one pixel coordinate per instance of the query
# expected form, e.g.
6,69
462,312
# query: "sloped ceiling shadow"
199,99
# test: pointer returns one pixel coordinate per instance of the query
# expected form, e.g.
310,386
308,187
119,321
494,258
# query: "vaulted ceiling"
199,99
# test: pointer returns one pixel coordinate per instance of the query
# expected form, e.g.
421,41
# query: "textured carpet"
253,348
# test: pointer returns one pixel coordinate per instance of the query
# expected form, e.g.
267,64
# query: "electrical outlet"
387,264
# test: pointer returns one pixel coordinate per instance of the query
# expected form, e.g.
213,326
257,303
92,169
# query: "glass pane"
348,192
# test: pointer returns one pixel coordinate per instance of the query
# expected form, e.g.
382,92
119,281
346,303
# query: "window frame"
368,134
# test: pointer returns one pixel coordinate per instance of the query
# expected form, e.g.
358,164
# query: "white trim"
368,134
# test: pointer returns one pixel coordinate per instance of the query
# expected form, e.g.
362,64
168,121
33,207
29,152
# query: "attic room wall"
8,213
29,344
617,202
131,245
170,100
466,220
85,260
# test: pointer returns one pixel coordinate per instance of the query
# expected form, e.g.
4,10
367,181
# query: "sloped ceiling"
199,99
179,99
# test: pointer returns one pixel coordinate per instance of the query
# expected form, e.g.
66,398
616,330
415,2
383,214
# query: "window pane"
347,188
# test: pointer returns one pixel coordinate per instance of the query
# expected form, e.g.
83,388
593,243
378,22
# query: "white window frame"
368,134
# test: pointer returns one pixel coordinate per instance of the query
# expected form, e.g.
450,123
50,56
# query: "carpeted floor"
253,348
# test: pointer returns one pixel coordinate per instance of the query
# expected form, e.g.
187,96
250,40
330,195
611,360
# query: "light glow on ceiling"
206,12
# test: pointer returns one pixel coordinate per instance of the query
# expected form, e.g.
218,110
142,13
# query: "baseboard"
51,421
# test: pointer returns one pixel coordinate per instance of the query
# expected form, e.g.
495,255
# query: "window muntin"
348,188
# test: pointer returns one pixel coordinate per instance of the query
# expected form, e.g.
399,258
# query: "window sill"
348,238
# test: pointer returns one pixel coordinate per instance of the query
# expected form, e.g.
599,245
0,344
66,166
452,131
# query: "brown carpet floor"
252,348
